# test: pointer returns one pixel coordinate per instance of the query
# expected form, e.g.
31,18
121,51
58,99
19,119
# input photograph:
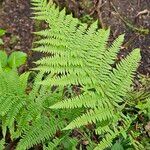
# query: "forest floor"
129,17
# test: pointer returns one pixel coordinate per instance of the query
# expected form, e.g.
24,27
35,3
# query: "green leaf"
24,79
2,143
70,144
2,32
16,59
1,42
7,69
117,146
3,58
124,134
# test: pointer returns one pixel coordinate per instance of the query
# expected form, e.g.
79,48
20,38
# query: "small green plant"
2,32
2,143
15,59
140,97
143,96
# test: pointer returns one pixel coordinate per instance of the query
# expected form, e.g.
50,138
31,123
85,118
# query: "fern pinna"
78,54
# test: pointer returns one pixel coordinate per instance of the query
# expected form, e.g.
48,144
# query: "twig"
99,6
93,9
138,3
143,12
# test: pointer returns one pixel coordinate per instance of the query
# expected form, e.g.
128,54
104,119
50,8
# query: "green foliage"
24,113
3,59
143,96
117,146
1,42
144,106
77,55
12,94
64,142
140,97
80,55
16,59
29,119
2,142
2,32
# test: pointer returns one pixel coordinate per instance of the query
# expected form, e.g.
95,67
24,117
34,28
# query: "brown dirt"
15,18
116,14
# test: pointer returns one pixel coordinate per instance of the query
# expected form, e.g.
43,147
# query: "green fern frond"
52,145
87,99
64,142
78,54
136,144
64,40
110,92
121,78
12,93
2,143
112,134
41,130
145,105
98,114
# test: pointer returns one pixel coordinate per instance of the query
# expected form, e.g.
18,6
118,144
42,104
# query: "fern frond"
121,78
78,54
87,99
64,141
2,143
112,134
136,144
109,92
41,130
145,105
12,93
64,40
11,116
92,116
52,145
